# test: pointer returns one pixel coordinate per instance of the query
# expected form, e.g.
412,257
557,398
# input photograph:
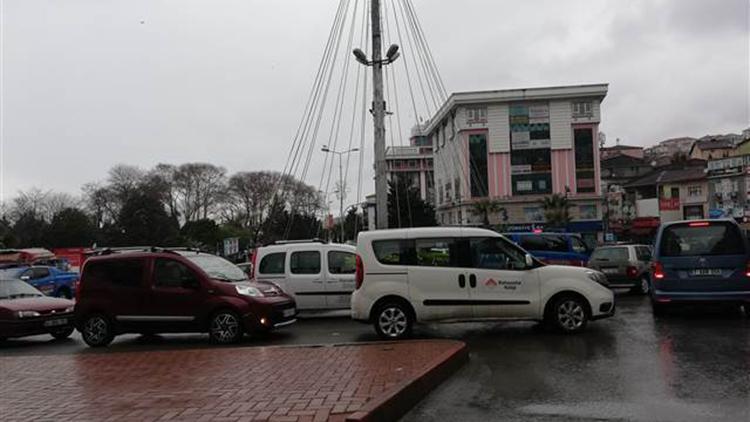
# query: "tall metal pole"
341,198
378,113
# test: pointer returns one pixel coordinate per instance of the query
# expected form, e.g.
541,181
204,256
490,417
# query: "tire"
225,327
643,288
62,333
64,293
393,321
96,330
568,314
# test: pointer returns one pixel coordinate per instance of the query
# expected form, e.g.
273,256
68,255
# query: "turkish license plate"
698,272
609,270
288,312
55,322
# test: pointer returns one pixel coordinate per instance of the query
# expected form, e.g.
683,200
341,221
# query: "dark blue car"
700,261
49,280
554,248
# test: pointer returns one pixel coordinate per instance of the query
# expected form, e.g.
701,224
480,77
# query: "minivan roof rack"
131,249
291,242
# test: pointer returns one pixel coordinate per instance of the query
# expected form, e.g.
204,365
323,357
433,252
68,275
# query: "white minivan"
409,276
319,275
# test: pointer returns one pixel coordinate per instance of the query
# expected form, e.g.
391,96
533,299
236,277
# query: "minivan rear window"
694,239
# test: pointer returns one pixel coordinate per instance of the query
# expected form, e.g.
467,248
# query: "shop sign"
538,111
669,204
520,169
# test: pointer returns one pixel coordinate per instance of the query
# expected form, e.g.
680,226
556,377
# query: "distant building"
413,163
617,150
662,153
729,187
712,148
516,147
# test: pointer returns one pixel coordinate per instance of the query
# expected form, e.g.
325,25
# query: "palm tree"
556,210
484,207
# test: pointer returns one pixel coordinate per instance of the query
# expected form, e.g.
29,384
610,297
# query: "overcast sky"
90,84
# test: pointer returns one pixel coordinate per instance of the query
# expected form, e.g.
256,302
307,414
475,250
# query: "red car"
25,311
174,291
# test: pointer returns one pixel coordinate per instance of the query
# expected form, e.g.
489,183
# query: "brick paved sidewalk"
223,384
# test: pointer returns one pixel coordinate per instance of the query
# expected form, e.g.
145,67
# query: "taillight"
632,271
747,270
360,275
253,260
658,270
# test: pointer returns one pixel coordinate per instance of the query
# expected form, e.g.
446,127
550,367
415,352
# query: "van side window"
306,262
389,252
272,263
121,272
496,254
173,274
436,252
341,262
578,245
643,253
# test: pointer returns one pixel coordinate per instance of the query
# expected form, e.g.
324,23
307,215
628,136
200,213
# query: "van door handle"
461,281
317,281
473,281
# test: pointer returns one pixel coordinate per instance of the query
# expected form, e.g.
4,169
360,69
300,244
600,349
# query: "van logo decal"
490,282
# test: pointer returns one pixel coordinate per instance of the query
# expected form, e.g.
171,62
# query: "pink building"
516,147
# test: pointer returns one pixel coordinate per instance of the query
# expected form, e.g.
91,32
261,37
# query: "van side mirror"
529,261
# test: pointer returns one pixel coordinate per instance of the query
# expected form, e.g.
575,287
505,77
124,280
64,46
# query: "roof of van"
295,245
428,231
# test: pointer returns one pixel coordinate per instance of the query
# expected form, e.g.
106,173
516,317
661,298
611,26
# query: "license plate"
55,322
288,312
705,272
609,270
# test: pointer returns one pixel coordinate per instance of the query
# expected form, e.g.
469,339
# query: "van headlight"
598,277
249,291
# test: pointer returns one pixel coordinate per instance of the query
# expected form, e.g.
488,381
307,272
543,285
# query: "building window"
582,108
476,115
478,165
584,155
533,214
587,212
675,193
530,154
457,183
695,191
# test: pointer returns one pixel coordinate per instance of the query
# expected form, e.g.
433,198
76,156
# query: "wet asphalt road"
692,365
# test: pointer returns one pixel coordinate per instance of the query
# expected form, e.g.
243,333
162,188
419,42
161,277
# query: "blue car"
554,248
49,280
700,261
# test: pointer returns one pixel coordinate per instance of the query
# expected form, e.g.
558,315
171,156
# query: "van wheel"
225,328
97,331
62,333
393,321
568,315
643,287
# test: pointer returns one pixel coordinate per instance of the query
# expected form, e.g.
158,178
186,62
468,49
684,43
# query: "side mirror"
529,261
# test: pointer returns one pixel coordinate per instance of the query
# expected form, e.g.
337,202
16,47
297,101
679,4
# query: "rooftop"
668,175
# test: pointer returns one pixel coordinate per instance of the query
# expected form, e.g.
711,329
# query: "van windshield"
695,239
218,268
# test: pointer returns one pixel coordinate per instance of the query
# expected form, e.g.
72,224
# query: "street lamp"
341,183
390,56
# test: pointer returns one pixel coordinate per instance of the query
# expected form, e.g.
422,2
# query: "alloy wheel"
96,330
571,315
225,328
393,322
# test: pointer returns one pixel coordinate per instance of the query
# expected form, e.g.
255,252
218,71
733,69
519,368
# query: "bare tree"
199,189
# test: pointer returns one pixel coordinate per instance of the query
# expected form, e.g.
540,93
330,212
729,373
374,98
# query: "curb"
395,402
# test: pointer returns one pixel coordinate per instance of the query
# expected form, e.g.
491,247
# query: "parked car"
319,275
624,266
409,276
49,280
554,248
167,290
25,311
700,261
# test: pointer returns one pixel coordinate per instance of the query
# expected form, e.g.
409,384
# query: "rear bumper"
662,296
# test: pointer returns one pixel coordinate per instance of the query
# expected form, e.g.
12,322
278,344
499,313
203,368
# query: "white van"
320,276
459,274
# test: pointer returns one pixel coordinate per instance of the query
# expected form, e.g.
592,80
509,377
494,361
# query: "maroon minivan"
174,291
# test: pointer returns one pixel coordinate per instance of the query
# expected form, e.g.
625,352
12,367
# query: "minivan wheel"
643,287
225,328
62,333
97,331
568,314
393,321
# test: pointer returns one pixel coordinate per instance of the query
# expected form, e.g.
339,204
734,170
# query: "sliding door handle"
473,281
461,281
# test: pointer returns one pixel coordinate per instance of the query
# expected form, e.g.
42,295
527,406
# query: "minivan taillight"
632,271
658,270
360,275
